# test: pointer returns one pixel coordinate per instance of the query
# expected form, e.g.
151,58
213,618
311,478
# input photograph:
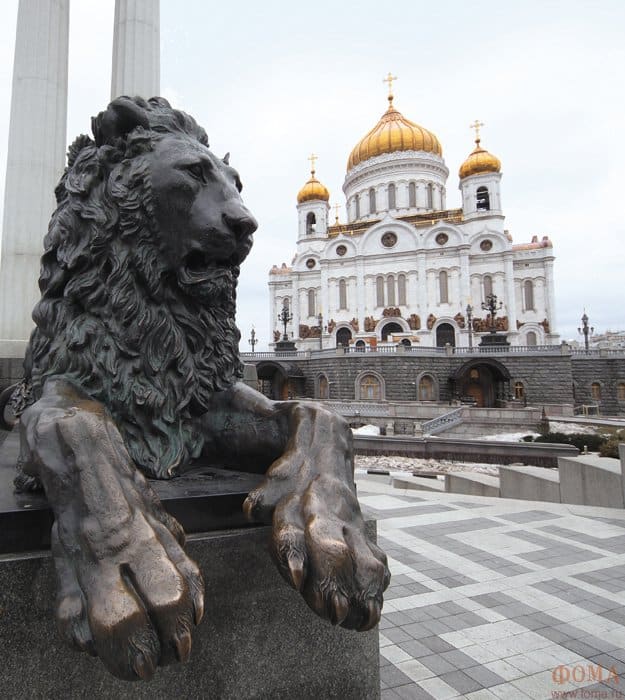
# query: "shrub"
609,447
579,440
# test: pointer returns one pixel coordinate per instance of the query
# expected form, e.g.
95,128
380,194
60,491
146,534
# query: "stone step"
592,481
529,483
418,483
472,484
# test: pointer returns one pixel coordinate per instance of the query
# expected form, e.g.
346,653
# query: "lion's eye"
196,170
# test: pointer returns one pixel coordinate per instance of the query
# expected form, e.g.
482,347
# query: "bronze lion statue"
133,370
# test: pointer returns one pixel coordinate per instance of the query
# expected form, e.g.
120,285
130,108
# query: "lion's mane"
112,317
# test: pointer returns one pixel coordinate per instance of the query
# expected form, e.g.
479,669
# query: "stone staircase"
585,480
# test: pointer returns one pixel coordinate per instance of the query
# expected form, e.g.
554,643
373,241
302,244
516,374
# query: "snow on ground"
409,464
554,427
366,430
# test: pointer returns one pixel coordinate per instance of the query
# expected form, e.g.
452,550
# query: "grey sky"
273,81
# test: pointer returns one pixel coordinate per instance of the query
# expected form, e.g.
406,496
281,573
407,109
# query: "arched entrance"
279,382
485,382
445,334
343,336
390,328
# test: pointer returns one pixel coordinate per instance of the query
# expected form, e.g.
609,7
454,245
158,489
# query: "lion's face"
205,228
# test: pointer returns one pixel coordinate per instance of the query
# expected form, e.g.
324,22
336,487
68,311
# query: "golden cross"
389,79
312,158
336,213
476,125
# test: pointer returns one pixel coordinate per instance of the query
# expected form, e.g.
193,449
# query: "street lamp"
585,330
470,324
320,324
252,340
284,317
492,306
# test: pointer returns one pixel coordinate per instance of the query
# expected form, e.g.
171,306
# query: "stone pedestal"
258,638
285,346
492,341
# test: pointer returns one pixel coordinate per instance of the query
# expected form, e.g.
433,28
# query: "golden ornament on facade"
313,189
480,160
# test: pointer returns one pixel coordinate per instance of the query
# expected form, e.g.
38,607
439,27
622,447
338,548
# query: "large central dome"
393,133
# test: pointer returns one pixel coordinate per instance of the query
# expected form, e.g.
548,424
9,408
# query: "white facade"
404,268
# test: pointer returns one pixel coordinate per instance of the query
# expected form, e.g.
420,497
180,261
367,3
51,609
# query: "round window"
389,239
310,263
442,238
341,250
486,244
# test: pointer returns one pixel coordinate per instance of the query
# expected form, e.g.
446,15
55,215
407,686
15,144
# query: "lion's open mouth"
200,266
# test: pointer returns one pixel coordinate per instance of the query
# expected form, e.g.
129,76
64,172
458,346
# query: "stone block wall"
11,371
608,372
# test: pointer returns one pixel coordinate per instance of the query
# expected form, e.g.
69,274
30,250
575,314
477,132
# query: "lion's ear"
226,158
120,118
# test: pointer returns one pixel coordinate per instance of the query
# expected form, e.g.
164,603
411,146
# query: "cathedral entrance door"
343,336
476,391
390,328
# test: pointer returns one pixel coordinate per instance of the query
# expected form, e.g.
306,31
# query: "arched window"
401,290
487,282
312,303
360,346
390,290
528,295
372,205
311,223
412,195
391,196
443,287
323,387
519,390
357,207
430,196
342,294
531,338
379,291
482,200
370,388
389,328
406,342
426,390
620,391
595,391
343,336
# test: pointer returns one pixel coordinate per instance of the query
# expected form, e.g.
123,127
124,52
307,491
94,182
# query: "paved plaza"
495,598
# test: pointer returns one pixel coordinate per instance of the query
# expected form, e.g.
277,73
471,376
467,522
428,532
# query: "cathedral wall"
608,372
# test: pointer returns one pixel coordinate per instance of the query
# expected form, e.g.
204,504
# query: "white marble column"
550,296
136,49
36,157
510,298
359,303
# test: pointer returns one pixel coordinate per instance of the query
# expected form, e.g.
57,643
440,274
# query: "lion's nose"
242,225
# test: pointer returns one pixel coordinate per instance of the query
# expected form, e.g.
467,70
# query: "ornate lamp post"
470,324
585,330
285,317
320,324
252,340
492,306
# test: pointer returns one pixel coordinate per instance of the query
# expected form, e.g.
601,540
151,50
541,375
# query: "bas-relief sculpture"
133,371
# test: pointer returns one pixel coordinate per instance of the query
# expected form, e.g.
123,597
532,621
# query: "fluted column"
36,156
136,49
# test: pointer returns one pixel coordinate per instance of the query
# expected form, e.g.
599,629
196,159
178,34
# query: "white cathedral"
405,269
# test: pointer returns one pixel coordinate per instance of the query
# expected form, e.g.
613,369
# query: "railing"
353,408
444,422
598,352
586,410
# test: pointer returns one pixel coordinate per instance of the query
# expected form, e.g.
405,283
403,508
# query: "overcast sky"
273,81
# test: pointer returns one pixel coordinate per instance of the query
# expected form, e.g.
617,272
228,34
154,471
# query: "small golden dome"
313,189
479,161
393,133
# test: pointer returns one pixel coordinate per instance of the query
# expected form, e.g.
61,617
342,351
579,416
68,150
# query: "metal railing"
363,408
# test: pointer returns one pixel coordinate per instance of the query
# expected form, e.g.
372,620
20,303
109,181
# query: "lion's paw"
321,548
133,608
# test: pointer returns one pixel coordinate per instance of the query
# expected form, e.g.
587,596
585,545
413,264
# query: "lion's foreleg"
127,591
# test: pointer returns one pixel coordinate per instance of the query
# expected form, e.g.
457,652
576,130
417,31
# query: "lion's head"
139,275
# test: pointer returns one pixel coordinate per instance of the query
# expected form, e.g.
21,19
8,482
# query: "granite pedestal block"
258,639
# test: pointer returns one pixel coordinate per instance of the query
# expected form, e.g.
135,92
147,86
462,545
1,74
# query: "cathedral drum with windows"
404,267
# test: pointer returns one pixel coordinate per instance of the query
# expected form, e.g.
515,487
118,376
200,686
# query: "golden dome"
479,161
393,133
313,189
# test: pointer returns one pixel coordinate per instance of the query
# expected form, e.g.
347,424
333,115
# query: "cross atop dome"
390,79
477,125
313,159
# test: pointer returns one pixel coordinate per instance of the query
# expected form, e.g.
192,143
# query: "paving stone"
461,682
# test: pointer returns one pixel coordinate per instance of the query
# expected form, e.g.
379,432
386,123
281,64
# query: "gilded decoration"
459,319
545,324
431,321
331,325
354,324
